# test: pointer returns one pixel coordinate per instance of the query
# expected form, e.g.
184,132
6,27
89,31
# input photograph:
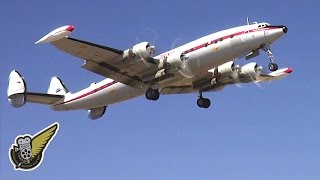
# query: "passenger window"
215,41
231,36
221,39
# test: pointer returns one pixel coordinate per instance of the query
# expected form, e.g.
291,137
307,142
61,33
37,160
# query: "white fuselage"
203,54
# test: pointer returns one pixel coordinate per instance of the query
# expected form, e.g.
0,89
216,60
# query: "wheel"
149,94
207,103
203,102
200,102
155,95
152,94
273,66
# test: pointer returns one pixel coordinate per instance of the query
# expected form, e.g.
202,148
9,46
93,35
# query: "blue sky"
249,133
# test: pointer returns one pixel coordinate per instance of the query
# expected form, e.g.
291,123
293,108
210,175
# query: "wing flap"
177,90
107,70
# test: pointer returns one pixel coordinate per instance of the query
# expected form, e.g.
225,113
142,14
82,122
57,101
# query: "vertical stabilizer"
57,87
16,89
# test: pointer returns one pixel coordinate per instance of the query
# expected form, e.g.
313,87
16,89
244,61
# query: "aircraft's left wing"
103,60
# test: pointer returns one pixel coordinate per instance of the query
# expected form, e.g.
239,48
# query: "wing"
40,141
217,85
177,90
103,60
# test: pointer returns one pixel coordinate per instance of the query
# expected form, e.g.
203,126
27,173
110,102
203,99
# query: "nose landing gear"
272,65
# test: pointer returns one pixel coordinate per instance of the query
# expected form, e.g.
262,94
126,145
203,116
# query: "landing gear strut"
203,102
152,94
272,65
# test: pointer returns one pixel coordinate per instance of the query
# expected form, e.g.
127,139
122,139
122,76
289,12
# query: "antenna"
248,22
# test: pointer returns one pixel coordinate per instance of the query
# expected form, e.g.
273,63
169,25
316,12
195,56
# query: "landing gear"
203,102
152,94
272,65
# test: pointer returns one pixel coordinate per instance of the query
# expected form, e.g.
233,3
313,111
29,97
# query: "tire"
200,102
273,66
207,103
152,94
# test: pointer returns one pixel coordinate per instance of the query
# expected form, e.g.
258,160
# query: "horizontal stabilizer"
41,98
18,95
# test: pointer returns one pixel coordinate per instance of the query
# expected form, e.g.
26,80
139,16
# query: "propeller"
179,61
146,34
237,78
185,70
258,69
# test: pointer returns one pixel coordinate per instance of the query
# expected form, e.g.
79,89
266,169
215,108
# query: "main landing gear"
203,102
272,65
152,94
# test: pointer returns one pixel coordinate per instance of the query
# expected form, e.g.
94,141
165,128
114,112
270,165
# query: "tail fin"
18,95
57,87
17,89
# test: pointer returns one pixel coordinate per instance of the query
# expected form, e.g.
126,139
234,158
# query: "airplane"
203,65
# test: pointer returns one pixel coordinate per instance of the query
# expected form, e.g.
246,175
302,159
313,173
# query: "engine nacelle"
144,50
226,71
175,60
250,72
96,113
179,61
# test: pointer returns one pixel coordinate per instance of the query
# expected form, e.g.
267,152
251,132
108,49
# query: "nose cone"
284,29
275,32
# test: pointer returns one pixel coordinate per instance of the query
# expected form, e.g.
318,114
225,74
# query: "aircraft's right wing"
187,88
99,59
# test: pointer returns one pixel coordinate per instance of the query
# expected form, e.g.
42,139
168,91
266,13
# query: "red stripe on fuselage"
226,37
90,92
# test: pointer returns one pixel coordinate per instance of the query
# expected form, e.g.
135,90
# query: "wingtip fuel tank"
56,34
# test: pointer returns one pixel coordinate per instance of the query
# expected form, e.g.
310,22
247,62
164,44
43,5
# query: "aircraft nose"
284,29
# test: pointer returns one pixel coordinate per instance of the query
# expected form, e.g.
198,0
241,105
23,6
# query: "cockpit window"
263,25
